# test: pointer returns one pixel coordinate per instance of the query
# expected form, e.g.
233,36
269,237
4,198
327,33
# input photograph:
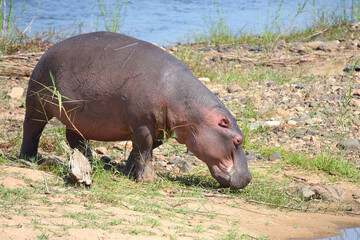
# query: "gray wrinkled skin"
115,88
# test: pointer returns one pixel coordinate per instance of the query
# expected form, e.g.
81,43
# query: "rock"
310,132
328,192
306,193
54,160
16,93
204,79
222,49
292,123
270,83
329,46
206,49
184,167
349,144
355,196
216,59
173,49
101,150
356,92
80,168
272,123
300,86
355,102
300,109
176,160
314,45
107,162
251,156
351,68
280,43
356,122
275,156
233,88
253,126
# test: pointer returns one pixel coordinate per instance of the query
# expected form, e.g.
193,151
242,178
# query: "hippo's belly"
104,121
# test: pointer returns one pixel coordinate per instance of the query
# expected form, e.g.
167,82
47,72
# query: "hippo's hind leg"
75,140
139,162
35,120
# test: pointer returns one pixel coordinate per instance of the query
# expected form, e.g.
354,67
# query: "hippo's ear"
224,123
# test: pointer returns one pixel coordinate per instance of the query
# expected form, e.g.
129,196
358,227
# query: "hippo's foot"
142,172
145,173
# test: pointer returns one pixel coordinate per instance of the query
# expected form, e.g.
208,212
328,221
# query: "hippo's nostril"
238,140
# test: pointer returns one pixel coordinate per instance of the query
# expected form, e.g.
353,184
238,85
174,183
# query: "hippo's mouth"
229,173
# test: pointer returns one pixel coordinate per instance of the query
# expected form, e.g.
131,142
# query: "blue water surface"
346,234
169,21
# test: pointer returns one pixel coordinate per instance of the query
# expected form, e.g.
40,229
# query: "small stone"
328,192
272,123
204,79
184,167
176,160
216,59
173,48
275,156
355,196
355,102
292,123
329,46
300,109
349,144
306,193
233,88
314,45
300,86
105,159
270,83
101,150
253,126
356,122
16,93
350,68
310,132
222,49
356,92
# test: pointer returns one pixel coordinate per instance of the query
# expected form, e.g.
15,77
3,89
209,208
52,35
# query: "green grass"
323,161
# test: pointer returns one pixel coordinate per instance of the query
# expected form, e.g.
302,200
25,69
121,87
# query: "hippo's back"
99,65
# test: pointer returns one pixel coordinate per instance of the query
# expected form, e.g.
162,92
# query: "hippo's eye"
224,123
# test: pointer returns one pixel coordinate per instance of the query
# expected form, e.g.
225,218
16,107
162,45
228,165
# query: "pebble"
184,167
314,45
306,192
350,68
292,123
329,46
176,160
328,192
16,93
204,79
233,88
355,102
272,123
350,144
356,122
275,156
101,150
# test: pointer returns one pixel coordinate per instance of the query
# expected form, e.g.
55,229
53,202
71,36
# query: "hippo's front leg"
139,163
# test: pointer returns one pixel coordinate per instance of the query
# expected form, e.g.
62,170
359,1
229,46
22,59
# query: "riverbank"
298,103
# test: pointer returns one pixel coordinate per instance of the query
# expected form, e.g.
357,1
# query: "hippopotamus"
111,87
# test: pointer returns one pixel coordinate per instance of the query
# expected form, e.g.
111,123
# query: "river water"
168,21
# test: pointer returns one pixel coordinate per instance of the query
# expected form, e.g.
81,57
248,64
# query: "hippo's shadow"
192,180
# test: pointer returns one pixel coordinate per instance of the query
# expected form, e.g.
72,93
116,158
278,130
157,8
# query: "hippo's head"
216,140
